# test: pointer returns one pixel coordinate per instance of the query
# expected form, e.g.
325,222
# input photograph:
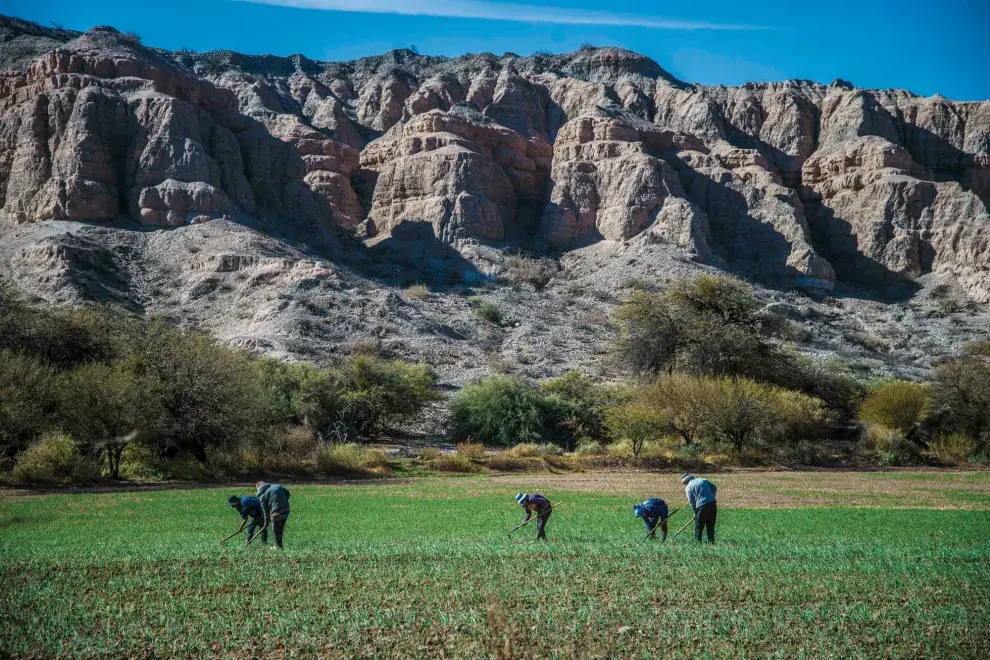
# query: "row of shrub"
108,382
712,373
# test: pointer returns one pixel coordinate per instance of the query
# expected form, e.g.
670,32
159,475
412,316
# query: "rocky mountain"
286,204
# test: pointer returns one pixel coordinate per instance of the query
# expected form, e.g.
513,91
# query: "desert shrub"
901,452
364,397
28,395
418,292
499,411
953,448
472,450
340,459
185,467
585,402
897,404
797,419
741,410
380,393
281,385
59,338
53,459
490,312
377,461
589,448
636,422
821,379
537,272
978,348
428,453
506,464
525,450
364,346
455,463
132,38
550,449
961,391
142,462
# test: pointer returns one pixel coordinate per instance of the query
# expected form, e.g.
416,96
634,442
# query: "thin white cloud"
481,9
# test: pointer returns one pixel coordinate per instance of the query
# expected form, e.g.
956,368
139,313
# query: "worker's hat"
521,497
233,500
638,510
686,477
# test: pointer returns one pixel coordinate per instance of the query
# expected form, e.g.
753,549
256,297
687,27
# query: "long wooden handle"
232,536
685,526
659,522
532,518
270,519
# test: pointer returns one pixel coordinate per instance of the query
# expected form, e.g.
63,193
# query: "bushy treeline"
714,372
79,386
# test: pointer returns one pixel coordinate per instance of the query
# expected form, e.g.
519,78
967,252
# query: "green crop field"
896,566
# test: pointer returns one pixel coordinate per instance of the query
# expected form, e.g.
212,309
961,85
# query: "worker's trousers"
541,524
705,520
257,523
279,525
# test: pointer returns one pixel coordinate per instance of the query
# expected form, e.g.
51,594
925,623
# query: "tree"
27,400
711,325
638,422
961,388
209,393
740,410
105,407
684,400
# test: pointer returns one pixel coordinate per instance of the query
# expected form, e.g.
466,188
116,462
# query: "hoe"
531,519
669,516
685,527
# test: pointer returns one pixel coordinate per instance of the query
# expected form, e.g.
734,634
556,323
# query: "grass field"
857,565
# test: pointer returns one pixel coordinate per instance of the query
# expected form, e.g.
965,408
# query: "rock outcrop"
794,181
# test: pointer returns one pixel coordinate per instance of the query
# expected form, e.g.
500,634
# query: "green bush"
897,404
589,448
342,460
455,463
499,411
209,394
55,459
472,450
953,449
490,312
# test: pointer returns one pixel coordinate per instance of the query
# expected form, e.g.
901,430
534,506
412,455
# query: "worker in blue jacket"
654,513
250,509
541,506
701,496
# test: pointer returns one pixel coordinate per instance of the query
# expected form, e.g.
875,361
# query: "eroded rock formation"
792,181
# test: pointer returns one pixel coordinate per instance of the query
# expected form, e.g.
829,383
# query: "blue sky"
927,47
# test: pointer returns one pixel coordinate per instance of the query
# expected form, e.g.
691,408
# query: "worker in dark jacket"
275,503
250,509
541,506
701,496
654,513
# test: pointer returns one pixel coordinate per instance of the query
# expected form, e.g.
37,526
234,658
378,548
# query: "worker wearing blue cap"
654,513
541,506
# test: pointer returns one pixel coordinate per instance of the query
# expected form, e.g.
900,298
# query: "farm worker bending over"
249,507
275,503
701,497
654,513
543,508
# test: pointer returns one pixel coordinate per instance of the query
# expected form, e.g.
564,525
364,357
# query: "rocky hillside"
287,204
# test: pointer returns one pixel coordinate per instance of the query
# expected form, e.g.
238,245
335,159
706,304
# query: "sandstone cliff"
453,165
